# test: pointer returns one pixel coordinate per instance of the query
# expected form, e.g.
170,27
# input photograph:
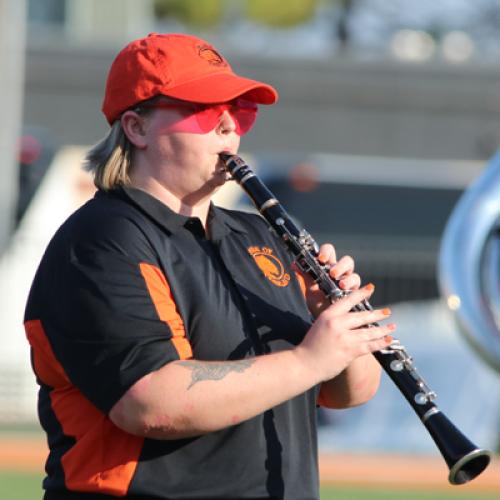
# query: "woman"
172,339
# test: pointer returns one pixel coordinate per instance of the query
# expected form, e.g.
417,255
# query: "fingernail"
321,257
370,287
391,326
388,339
386,311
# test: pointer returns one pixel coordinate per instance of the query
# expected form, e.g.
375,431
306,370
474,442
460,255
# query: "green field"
365,494
20,486
24,486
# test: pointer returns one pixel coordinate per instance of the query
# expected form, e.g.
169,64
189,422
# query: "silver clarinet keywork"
464,459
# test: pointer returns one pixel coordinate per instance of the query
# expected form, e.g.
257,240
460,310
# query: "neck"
190,205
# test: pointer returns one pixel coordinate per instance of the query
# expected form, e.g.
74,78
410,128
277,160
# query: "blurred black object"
36,151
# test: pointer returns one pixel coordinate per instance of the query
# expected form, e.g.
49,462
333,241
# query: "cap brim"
224,87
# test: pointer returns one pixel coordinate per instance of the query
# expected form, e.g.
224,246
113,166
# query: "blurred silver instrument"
469,264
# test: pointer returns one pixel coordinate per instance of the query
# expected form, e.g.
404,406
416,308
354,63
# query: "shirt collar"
153,207
220,220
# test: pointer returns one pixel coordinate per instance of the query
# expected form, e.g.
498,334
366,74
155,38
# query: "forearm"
355,385
189,398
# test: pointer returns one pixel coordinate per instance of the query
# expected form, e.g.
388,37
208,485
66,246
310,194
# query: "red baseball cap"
179,66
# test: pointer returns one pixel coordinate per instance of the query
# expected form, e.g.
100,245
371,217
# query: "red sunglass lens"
208,117
244,118
242,113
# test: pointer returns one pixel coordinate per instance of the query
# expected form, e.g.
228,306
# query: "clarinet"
463,458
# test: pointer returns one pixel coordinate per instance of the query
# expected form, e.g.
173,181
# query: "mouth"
221,167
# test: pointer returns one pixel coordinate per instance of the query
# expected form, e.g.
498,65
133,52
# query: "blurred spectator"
36,151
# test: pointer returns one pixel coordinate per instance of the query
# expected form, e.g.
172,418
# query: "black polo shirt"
126,286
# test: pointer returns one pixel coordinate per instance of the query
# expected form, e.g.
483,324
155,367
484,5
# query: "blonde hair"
110,159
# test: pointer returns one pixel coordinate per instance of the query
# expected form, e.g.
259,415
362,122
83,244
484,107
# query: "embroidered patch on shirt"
270,265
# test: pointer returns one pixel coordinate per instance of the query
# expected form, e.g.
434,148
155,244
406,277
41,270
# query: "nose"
227,123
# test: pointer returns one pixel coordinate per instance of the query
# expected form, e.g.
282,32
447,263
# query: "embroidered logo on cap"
270,265
211,55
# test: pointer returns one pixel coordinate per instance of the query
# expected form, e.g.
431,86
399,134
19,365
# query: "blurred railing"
402,269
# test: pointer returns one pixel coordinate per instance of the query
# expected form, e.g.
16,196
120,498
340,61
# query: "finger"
380,344
351,282
370,333
377,338
383,337
345,304
361,319
343,267
327,254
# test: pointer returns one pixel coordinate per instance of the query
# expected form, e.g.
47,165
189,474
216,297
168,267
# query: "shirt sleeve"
109,313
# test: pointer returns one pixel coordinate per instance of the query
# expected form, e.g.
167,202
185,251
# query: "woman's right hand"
340,335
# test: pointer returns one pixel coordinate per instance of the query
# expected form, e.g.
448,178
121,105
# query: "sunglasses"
203,118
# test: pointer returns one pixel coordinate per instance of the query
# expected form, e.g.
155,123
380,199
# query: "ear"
134,127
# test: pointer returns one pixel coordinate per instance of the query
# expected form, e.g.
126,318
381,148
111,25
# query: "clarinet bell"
464,459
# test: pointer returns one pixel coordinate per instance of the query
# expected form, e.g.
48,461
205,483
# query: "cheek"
186,151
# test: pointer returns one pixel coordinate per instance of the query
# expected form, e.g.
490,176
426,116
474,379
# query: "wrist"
308,367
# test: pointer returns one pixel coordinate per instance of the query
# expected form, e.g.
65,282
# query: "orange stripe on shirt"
104,458
166,308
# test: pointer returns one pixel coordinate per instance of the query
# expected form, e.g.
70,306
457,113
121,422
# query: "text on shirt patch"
270,265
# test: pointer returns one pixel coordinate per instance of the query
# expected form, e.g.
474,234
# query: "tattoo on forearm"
214,370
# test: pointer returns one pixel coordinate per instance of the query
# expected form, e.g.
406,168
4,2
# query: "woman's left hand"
342,271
